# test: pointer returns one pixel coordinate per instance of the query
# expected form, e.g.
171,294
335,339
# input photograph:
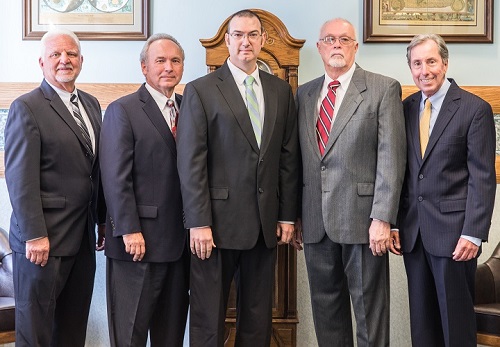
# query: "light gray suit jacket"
361,173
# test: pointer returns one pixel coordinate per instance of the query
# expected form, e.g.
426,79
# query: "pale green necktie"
253,108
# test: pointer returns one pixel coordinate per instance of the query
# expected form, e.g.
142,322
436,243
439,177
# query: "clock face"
109,5
63,5
264,67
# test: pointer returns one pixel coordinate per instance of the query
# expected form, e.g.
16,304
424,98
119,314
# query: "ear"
40,62
226,39
264,38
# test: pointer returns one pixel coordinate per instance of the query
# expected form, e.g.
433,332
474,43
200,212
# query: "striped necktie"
325,119
81,124
253,108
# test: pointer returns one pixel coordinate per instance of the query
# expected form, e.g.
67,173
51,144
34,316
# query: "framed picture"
89,19
455,20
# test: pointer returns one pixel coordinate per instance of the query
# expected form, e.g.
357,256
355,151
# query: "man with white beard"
352,139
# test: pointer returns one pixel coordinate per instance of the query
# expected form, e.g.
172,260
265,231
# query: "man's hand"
37,251
395,245
101,232
201,242
380,237
465,250
297,240
135,245
284,232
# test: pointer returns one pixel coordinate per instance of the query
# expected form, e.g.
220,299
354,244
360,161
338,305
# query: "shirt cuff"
474,240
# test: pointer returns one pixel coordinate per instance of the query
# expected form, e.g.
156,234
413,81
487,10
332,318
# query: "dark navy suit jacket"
451,191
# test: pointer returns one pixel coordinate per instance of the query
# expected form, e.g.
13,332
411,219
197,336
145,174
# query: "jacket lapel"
310,107
350,103
154,114
232,95
414,124
448,110
271,110
58,105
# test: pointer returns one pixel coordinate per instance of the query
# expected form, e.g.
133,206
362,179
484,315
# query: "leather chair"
487,301
7,307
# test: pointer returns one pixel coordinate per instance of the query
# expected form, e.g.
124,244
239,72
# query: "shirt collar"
63,94
159,98
438,98
240,75
344,79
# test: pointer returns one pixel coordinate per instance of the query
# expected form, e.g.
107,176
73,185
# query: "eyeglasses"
343,40
253,36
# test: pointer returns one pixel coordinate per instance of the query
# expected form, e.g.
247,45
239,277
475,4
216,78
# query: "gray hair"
340,20
160,36
58,32
418,39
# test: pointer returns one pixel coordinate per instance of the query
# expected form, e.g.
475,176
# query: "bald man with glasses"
352,138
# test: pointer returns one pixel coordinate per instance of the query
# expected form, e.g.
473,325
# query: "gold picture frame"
465,21
89,19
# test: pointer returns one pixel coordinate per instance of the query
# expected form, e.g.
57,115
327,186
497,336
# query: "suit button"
420,176
261,190
420,199
323,168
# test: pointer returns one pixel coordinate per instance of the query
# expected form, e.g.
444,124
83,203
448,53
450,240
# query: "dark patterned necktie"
326,111
81,124
174,116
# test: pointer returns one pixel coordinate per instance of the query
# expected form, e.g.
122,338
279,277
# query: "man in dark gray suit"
52,174
352,138
147,273
239,173
447,199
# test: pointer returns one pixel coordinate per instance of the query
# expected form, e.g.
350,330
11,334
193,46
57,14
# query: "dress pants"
441,294
147,297
340,272
253,272
53,302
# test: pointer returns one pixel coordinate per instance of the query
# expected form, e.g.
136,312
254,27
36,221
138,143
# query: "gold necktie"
425,121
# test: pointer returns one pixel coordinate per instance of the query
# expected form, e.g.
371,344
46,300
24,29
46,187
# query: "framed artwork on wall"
466,21
89,19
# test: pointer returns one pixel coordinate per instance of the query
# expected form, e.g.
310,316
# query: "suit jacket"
227,182
140,179
451,191
359,177
52,182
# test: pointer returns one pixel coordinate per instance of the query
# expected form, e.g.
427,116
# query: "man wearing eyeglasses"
352,138
238,165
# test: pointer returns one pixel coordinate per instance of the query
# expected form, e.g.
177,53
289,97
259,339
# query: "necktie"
174,116
81,124
326,111
425,121
253,108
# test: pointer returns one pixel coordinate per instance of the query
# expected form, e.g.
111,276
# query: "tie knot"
249,81
170,103
427,103
74,98
333,85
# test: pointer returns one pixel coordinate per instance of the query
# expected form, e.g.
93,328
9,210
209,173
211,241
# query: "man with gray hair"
447,198
351,131
52,175
147,269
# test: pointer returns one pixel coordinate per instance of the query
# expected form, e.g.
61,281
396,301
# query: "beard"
337,62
